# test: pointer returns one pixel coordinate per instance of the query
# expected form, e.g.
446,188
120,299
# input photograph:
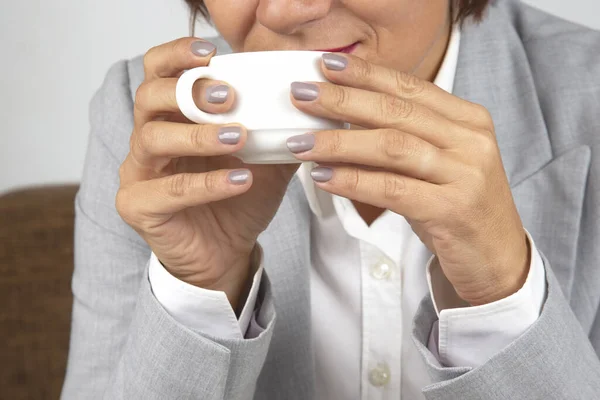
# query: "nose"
287,16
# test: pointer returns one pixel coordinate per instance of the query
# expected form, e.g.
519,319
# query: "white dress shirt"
366,284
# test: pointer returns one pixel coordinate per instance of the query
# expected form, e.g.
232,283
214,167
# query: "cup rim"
269,52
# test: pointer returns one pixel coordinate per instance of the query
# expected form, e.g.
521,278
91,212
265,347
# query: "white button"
380,375
382,269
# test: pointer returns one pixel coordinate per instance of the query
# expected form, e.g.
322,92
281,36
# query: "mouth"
348,49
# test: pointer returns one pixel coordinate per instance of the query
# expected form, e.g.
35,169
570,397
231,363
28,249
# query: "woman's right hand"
199,209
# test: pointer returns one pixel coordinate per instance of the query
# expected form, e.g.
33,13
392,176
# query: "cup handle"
185,99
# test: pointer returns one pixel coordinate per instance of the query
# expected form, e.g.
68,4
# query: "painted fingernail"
335,62
305,91
217,94
321,174
202,49
239,177
230,134
301,143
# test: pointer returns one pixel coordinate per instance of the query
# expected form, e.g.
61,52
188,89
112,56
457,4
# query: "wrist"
234,277
507,278
233,284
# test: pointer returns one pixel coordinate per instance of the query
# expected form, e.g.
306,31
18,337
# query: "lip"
347,49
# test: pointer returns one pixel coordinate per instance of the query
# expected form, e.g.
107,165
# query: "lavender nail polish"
321,174
202,49
301,143
238,177
217,94
305,91
335,62
230,134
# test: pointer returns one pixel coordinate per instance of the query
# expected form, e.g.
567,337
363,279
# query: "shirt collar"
444,80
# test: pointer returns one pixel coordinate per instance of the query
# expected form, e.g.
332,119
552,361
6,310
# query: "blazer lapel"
493,71
550,203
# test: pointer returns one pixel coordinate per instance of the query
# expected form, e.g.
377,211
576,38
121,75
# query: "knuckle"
335,144
211,182
146,140
123,206
409,85
178,184
198,137
340,97
394,107
149,57
142,94
127,172
394,145
478,175
484,115
480,144
180,46
394,187
486,145
352,181
364,71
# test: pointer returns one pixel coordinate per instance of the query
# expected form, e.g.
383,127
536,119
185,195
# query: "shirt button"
380,375
382,270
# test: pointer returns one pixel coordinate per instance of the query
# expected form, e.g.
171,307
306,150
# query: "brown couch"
36,263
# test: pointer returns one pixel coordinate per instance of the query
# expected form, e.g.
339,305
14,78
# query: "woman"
443,248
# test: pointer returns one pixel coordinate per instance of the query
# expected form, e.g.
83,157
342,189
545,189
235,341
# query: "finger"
170,59
162,139
409,197
376,110
387,149
352,71
157,97
165,196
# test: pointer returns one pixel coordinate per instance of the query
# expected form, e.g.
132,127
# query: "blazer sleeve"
124,345
553,359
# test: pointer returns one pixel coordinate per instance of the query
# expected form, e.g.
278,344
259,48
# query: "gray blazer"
539,76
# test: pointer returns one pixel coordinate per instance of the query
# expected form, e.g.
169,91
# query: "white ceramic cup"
261,81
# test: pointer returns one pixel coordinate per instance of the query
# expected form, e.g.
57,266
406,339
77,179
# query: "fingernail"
321,174
239,177
230,134
202,49
301,143
217,94
305,91
335,62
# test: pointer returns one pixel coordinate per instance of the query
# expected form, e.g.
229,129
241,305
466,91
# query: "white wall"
55,55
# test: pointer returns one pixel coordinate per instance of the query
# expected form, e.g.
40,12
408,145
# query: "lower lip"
346,50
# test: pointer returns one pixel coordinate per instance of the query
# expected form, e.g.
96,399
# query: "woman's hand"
427,155
180,186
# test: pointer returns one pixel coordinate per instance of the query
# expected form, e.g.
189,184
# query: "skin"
441,171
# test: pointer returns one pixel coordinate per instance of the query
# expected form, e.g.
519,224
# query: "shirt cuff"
205,311
469,336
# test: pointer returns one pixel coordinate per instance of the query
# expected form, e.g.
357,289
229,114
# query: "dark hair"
465,9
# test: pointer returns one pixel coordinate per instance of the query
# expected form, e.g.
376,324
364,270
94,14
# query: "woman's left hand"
424,154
